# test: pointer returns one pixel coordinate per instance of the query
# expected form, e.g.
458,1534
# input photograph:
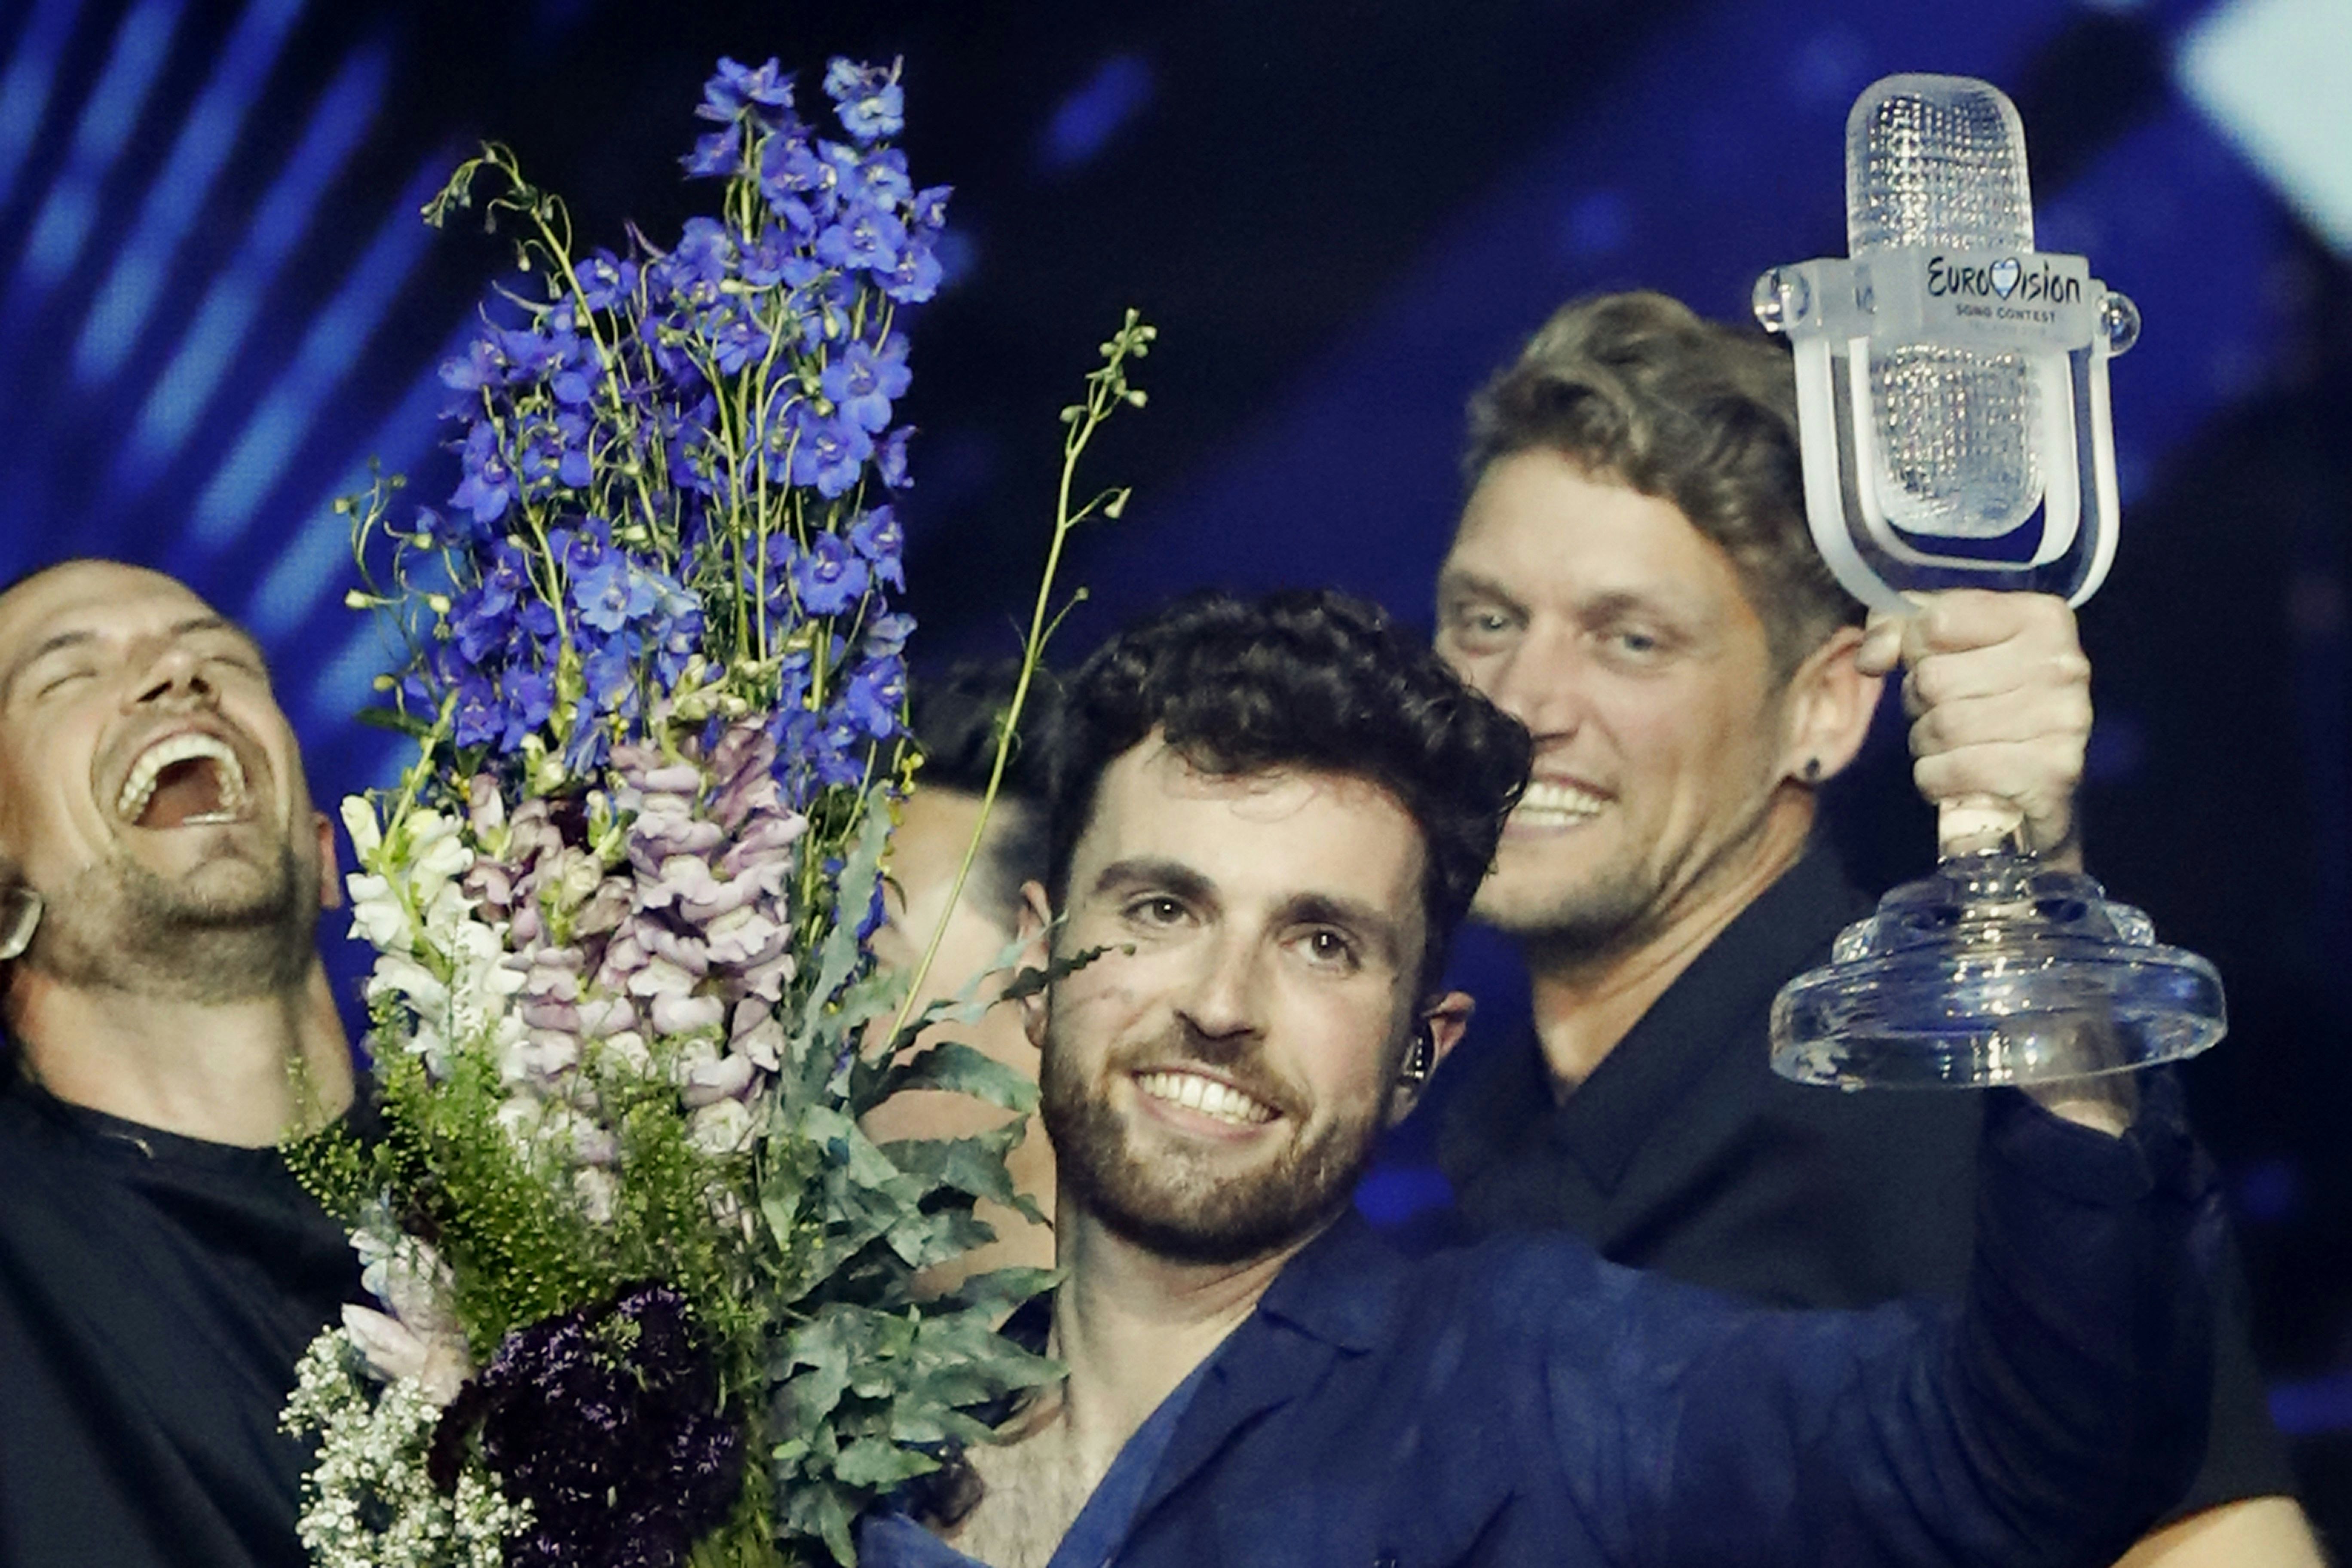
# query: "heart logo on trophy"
2004,276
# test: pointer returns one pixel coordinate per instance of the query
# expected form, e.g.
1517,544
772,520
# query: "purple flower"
928,213
881,540
705,252
737,88
612,593
888,633
479,368
828,453
606,1421
605,280
871,101
875,179
717,154
828,577
488,485
890,457
876,694
862,382
790,172
913,275
865,236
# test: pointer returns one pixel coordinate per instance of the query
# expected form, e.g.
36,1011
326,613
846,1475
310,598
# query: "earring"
1812,770
20,915
1420,1057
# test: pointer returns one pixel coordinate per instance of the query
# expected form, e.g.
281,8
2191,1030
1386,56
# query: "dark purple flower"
606,1421
862,381
828,577
881,540
871,102
792,171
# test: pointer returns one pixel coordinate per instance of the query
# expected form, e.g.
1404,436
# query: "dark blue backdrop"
217,307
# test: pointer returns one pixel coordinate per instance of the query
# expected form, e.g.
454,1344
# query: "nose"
1225,1003
175,675
1539,682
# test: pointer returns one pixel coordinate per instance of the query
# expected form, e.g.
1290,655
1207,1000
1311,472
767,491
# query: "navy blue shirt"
1523,1402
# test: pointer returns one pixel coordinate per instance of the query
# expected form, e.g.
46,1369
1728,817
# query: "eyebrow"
79,636
1149,871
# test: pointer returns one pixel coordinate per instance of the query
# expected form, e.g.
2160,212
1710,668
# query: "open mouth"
188,780
1547,803
1217,1100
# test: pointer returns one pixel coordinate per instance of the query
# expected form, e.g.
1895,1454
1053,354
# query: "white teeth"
1559,802
1205,1095
140,786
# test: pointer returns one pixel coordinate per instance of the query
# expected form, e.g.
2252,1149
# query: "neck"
1131,1325
225,1072
1589,999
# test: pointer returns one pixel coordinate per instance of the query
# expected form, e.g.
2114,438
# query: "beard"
211,937
1591,914
1178,1204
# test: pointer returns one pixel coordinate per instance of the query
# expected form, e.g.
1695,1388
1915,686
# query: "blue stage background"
218,307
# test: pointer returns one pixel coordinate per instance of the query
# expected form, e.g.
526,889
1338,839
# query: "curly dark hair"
1638,388
954,720
1314,680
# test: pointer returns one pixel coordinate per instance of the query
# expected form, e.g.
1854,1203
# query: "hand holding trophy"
1952,383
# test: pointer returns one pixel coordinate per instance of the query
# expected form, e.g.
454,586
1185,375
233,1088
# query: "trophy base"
1995,969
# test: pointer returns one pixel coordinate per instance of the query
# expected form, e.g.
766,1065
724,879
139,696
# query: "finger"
1960,619
1992,671
1995,771
2056,717
1881,648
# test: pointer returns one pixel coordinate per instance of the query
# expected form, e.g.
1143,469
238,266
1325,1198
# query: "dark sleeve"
2244,1457
2047,1419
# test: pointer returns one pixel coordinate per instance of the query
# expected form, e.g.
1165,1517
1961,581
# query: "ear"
1825,709
1037,923
331,870
1445,1020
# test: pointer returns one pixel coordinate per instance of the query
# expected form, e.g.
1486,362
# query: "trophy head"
1951,381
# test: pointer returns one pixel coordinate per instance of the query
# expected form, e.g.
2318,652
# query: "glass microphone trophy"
1952,383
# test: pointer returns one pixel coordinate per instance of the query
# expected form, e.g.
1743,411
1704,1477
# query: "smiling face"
150,789
1621,636
1212,1093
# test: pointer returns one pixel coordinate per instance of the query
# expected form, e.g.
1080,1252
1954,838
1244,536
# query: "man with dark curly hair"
1271,820
1633,578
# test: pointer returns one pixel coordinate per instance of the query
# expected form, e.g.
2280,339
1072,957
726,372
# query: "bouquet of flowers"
646,1284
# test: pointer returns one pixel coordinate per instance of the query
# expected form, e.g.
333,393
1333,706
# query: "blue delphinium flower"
863,381
890,457
871,102
878,537
828,452
738,89
828,577
876,694
488,485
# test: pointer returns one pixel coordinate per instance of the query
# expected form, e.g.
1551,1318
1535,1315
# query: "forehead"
104,598
1537,521
1284,832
